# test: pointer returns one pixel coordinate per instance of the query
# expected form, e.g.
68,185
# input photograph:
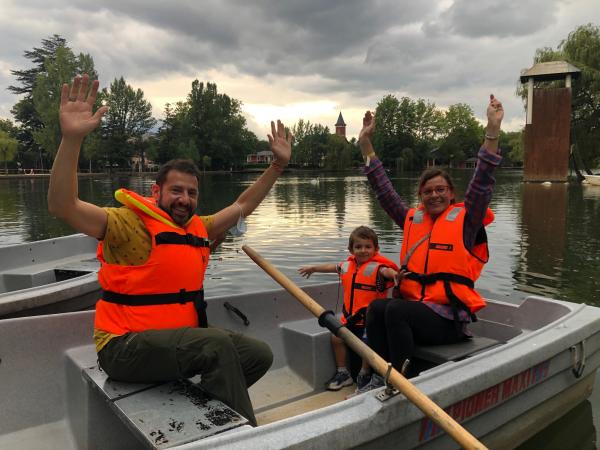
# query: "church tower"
340,126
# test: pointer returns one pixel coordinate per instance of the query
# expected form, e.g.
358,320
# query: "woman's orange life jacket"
360,286
166,290
442,270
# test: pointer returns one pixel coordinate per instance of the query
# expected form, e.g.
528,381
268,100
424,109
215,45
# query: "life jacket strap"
456,304
431,278
447,278
168,237
182,296
357,317
364,287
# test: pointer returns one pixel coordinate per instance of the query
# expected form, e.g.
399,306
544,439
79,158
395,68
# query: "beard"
178,217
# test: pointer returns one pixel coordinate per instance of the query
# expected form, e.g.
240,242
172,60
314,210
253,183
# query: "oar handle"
414,395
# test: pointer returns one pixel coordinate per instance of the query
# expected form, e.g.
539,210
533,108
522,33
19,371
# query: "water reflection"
581,433
544,213
544,239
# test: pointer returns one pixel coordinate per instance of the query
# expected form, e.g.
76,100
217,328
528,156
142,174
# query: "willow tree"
8,148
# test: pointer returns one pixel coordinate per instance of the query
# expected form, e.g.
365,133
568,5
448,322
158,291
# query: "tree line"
209,126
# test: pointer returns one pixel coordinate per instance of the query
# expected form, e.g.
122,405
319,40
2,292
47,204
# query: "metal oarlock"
389,390
578,359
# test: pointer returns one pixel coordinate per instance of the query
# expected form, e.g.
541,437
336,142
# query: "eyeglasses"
439,190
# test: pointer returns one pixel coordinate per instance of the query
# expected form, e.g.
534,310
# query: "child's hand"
388,272
306,271
391,274
399,276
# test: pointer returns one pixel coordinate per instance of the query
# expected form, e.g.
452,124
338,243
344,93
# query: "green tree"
406,130
300,151
169,132
8,148
24,111
582,49
217,125
205,162
125,125
338,155
512,146
310,143
37,111
13,132
388,137
206,124
46,97
8,126
461,134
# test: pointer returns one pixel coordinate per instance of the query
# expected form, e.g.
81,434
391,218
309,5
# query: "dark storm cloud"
351,49
260,38
351,43
491,18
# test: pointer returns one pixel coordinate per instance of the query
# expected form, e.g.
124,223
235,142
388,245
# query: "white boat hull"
49,276
594,180
534,372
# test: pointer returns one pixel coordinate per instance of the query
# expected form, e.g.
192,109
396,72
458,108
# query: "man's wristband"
490,138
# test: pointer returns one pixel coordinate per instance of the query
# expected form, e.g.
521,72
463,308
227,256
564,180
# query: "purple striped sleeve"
479,194
387,197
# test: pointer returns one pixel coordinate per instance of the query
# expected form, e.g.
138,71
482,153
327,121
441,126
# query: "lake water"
545,240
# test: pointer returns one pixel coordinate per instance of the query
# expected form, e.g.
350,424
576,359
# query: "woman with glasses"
443,252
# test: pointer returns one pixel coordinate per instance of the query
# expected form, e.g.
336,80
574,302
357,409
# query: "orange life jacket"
360,287
441,268
165,291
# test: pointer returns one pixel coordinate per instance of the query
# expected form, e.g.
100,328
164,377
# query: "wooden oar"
420,400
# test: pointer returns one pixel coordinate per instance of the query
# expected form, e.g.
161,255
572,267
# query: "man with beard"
150,323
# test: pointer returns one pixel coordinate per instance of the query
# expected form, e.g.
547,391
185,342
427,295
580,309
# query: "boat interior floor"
288,390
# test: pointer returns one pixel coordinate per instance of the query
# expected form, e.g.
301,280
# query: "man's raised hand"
76,107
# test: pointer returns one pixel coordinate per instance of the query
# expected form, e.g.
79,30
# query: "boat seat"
315,365
163,415
33,275
440,354
14,281
308,352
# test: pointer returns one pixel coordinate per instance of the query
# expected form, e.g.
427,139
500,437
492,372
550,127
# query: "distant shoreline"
251,170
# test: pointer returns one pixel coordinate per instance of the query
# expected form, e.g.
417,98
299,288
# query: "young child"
365,275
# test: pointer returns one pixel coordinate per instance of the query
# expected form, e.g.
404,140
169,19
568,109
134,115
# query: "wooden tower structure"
547,130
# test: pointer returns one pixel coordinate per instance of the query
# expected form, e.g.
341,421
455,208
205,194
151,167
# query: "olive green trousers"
228,362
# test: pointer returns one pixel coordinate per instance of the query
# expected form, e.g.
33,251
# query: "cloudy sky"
306,59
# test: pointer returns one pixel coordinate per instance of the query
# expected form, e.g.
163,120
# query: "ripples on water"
543,241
